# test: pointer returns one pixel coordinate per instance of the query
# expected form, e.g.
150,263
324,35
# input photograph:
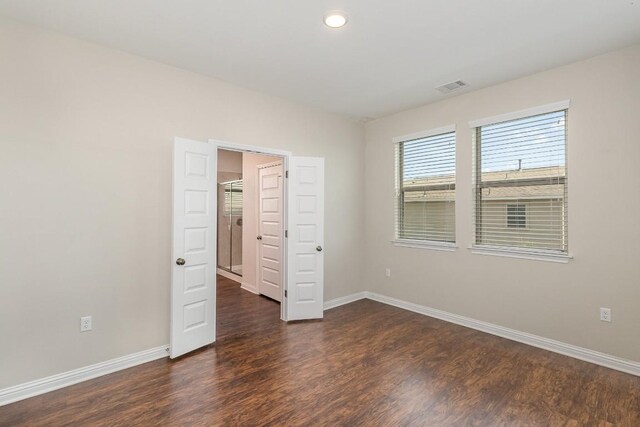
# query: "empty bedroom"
296,213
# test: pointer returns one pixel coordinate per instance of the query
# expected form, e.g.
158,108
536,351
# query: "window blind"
520,180
425,188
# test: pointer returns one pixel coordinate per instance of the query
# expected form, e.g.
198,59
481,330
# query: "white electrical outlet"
605,314
387,272
85,323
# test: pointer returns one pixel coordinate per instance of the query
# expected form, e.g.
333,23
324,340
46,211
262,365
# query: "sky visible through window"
434,156
528,143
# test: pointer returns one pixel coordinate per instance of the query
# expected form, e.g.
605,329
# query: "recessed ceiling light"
335,19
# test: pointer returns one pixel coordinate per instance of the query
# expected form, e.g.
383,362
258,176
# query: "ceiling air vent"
450,87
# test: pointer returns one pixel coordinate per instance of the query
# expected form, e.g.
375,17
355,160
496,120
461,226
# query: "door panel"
270,228
193,292
305,285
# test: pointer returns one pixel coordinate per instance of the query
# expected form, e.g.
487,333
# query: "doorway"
195,238
250,221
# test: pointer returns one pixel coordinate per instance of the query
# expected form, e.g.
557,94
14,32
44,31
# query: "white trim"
542,109
54,382
424,134
230,276
249,287
337,302
602,359
521,253
270,164
425,244
225,145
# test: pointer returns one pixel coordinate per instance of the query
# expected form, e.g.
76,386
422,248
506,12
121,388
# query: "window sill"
521,253
425,244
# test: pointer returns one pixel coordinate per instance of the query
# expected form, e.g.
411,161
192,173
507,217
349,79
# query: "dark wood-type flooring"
365,364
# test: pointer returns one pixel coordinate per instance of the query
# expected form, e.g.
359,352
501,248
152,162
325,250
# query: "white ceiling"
390,56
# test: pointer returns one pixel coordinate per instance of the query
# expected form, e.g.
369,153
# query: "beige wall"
558,301
86,138
250,162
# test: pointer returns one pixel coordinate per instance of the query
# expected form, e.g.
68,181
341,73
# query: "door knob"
259,237
319,248
180,261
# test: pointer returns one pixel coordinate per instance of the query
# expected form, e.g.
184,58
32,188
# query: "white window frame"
515,252
424,244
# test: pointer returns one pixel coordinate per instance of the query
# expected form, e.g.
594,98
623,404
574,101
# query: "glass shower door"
230,226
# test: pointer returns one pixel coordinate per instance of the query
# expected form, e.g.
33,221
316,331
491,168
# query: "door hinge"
286,233
285,293
286,174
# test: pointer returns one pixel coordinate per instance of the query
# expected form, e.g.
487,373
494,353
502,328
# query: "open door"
305,256
193,275
270,234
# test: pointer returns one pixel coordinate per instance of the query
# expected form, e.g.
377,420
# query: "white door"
193,275
305,253
270,231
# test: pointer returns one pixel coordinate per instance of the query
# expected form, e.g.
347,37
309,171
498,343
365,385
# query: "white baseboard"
54,382
602,359
337,302
249,287
225,273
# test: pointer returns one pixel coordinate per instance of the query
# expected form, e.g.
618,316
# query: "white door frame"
286,155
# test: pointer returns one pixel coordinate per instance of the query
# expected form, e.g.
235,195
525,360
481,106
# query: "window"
516,216
232,197
425,186
520,179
